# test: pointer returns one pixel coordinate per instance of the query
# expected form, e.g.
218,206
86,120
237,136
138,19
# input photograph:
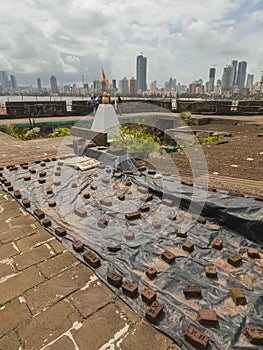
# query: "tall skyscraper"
133,85
241,75
250,79
4,79
141,72
39,86
234,78
54,85
13,82
227,78
211,84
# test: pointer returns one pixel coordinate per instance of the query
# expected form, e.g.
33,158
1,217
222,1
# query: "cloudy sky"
181,39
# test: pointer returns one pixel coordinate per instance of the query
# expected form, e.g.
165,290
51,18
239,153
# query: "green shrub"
60,132
187,118
210,139
137,140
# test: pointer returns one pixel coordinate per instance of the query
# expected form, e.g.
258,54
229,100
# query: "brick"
2,179
7,251
121,197
52,204
114,279
78,246
254,334
207,317
24,166
151,172
82,212
253,253
57,173
210,272
234,260
130,289
217,243
167,202
106,202
154,312
142,168
57,264
46,222
188,247
17,194
148,296
74,185
39,214
168,257
201,220
105,180
181,233
60,231
43,164
117,175
192,292
57,183
10,341
137,173
238,296
42,174
32,257
32,170
86,195
128,183
102,223
259,198
114,246
49,190
91,259
235,194
129,235
7,183
133,215
148,198
27,178
42,181
156,224
196,338
127,172
144,208
93,187
151,273
142,189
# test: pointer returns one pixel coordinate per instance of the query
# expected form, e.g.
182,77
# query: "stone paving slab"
50,300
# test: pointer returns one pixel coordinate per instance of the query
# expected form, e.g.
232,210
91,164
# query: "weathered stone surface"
154,312
238,296
92,259
192,292
196,338
148,296
64,343
48,325
254,334
27,243
168,257
235,260
7,251
207,317
32,257
57,264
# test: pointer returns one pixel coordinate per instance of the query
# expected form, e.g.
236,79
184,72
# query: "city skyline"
69,38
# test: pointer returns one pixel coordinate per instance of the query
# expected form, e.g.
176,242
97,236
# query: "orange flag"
104,78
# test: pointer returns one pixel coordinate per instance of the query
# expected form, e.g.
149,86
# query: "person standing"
118,105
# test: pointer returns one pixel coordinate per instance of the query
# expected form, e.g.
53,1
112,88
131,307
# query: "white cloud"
182,39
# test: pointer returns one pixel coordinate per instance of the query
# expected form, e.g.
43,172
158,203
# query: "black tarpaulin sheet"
145,249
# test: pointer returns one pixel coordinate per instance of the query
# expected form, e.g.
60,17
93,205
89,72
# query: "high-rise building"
4,79
153,87
241,75
13,82
234,78
124,86
250,80
211,84
227,78
54,85
133,86
141,72
39,86
114,84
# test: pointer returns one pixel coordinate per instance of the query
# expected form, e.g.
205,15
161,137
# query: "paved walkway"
48,299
